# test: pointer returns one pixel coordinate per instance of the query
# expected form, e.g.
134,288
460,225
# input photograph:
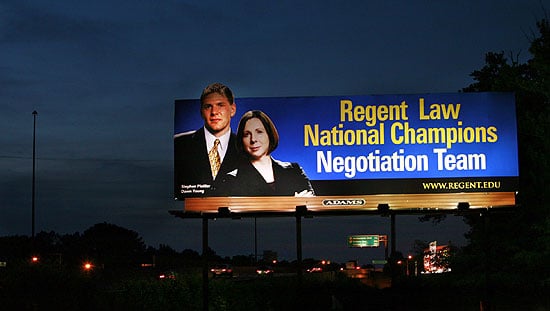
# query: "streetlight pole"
255,242
408,261
34,113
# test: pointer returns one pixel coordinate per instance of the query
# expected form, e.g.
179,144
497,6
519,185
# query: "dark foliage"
513,249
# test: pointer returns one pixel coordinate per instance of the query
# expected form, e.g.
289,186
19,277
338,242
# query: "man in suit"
195,174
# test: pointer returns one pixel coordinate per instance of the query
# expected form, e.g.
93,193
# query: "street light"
34,114
87,266
408,258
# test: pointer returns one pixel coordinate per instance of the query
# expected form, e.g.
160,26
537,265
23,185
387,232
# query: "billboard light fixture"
224,211
301,209
383,207
462,206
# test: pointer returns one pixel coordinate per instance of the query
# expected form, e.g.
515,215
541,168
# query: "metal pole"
392,232
384,239
34,113
485,304
393,264
255,242
386,257
205,263
299,245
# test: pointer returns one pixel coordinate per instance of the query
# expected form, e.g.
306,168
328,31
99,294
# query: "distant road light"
87,266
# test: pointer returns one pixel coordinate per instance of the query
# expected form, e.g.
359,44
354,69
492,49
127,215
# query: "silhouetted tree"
73,249
517,245
15,248
190,254
113,246
243,260
419,247
168,258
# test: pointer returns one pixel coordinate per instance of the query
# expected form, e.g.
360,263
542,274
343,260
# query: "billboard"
360,151
436,258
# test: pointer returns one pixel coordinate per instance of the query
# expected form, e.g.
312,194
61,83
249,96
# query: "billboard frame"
382,210
345,204
396,190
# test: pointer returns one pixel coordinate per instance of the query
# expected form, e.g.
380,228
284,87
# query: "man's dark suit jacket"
192,167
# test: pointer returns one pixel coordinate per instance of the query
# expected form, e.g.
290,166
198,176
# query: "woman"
260,174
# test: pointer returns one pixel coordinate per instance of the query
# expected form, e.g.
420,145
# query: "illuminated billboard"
436,258
357,149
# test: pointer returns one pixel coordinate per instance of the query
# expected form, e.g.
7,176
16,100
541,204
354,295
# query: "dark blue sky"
103,76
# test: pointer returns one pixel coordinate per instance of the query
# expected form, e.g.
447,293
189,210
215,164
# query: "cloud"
25,23
103,76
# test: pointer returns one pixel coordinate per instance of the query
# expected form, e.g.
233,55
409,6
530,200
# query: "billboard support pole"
392,233
384,239
300,211
485,304
205,263
255,241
